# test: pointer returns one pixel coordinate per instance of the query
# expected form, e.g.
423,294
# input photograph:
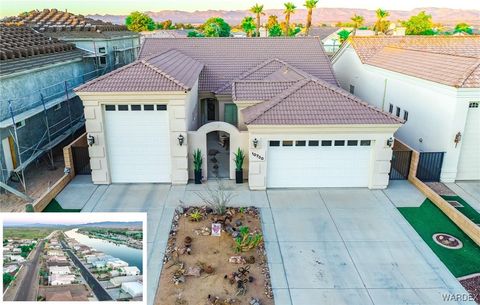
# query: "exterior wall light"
90,140
390,142
458,138
180,139
255,142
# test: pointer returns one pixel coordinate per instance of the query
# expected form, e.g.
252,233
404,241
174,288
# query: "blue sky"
13,7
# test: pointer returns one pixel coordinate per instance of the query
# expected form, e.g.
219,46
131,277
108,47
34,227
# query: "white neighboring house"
17,258
114,264
135,289
431,82
10,268
129,271
59,270
17,250
55,253
61,279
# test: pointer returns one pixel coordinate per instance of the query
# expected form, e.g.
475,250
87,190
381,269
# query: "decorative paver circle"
448,241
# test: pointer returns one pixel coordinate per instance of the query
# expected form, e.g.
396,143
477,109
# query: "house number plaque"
259,157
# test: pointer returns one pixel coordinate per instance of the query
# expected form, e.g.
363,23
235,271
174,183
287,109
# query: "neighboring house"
55,253
17,258
431,82
328,35
275,98
135,289
59,270
37,75
108,45
129,271
117,263
61,279
10,268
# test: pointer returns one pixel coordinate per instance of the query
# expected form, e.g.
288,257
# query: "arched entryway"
223,137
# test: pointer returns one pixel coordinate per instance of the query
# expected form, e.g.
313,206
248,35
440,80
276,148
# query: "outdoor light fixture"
255,142
181,138
90,140
390,142
458,138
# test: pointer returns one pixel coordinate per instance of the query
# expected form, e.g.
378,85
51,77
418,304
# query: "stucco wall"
197,140
380,158
94,116
436,112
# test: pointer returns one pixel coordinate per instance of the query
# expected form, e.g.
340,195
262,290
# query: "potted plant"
197,164
239,158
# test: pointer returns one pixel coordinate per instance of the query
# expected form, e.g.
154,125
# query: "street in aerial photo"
67,257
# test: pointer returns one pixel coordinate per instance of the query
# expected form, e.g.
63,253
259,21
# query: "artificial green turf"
466,210
54,206
428,220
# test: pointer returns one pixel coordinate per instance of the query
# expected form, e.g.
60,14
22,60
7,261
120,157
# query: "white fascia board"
365,128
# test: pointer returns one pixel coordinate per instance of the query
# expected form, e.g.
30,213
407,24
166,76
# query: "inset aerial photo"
73,257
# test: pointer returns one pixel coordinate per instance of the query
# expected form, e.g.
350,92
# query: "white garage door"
327,163
138,142
469,162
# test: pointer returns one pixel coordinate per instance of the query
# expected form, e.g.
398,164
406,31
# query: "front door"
230,114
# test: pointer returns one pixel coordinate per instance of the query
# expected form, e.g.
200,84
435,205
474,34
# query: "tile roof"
169,71
315,102
258,90
226,59
322,32
449,60
21,48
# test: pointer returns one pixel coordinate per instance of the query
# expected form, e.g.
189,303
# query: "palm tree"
289,9
310,5
381,25
357,22
248,25
257,10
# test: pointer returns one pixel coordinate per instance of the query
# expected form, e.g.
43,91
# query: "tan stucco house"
275,98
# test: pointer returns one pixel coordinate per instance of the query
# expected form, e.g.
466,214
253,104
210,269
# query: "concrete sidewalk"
324,246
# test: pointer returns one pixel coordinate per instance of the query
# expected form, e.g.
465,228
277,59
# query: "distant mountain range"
445,16
105,224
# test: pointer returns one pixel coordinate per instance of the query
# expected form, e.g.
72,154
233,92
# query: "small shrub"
217,199
196,216
247,241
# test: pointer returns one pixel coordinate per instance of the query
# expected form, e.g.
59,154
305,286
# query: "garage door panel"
318,166
138,146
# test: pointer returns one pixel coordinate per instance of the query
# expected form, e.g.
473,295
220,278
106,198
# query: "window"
102,60
313,143
405,115
274,143
352,142
148,107
397,111
287,143
339,142
327,143
110,107
473,105
20,124
161,107
122,107
365,142
57,107
352,89
136,107
390,108
300,143
101,50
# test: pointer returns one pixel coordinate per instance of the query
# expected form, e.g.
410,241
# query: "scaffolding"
53,133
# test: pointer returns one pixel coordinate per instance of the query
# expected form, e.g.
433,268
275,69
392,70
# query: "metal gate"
400,164
430,166
81,160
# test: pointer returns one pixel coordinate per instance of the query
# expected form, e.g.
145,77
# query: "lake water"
132,256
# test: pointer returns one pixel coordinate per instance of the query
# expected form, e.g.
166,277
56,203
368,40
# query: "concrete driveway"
324,246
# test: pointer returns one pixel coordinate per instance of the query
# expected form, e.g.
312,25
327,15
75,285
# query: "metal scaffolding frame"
54,132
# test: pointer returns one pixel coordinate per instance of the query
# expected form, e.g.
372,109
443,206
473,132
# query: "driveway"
324,246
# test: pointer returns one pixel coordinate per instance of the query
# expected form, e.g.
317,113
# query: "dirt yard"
220,285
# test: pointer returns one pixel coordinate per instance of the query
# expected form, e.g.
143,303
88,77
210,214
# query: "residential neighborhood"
281,152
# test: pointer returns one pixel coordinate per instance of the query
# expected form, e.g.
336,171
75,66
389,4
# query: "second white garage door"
138,141
327,163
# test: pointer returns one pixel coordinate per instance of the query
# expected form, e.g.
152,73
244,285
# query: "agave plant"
197,160
239,158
